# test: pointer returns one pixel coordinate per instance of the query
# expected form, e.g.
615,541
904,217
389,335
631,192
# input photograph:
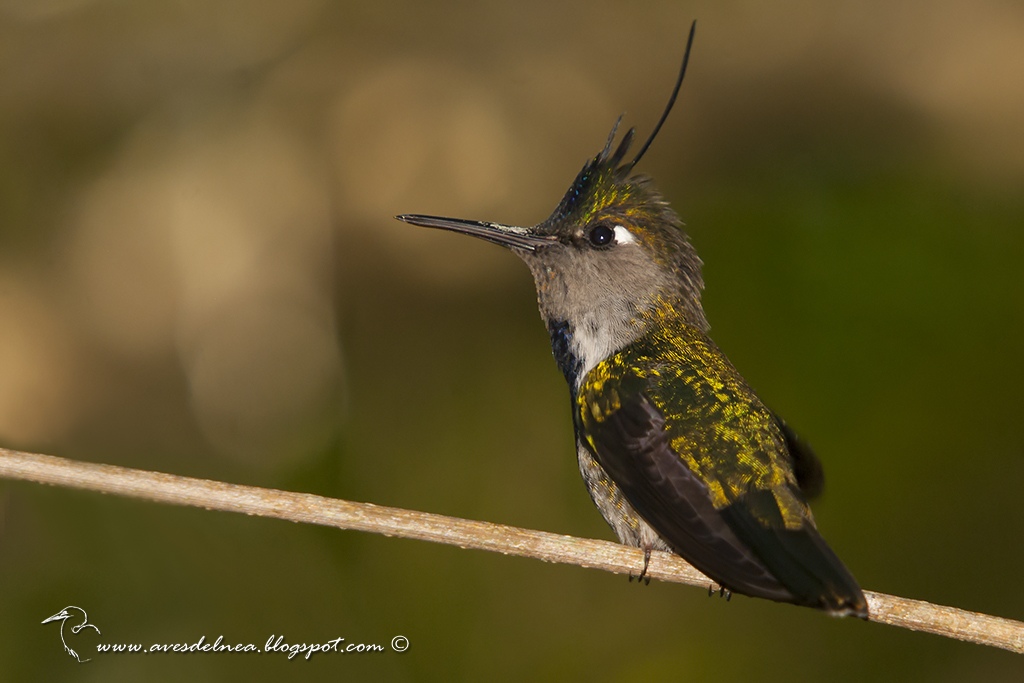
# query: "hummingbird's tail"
799,559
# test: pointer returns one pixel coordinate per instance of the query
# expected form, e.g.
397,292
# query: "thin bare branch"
613,557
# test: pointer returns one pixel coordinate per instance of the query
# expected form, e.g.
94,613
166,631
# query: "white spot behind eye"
623,236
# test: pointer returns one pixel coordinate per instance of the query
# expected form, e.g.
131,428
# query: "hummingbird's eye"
601,234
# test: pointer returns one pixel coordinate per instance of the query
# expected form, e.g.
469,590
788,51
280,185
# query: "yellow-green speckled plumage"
718,426
707,467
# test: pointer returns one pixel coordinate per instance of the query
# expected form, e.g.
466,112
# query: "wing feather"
715,473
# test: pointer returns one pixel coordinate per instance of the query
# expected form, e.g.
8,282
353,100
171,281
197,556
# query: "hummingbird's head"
614,247
612,259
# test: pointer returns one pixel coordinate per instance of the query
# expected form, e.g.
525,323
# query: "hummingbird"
677,451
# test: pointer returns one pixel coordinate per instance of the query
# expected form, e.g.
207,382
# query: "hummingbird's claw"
723,592
643,573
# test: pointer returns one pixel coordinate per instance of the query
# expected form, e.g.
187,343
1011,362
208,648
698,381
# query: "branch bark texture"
915,615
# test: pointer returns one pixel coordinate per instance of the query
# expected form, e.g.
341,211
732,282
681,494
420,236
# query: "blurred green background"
199,274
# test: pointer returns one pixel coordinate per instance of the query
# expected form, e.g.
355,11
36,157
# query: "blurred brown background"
199,274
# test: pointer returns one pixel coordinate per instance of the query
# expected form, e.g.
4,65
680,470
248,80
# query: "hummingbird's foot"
723,592
643,574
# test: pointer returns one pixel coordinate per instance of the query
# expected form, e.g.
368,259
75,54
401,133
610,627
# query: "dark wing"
705,464
632,445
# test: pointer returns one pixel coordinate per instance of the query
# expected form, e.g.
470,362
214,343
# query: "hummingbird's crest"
595,186
603,180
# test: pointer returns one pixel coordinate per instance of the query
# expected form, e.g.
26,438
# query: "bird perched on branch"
677,451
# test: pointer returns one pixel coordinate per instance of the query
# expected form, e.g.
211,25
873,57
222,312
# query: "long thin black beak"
505,235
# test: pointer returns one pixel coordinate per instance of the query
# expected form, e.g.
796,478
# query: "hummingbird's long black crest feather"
605,167
671,100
